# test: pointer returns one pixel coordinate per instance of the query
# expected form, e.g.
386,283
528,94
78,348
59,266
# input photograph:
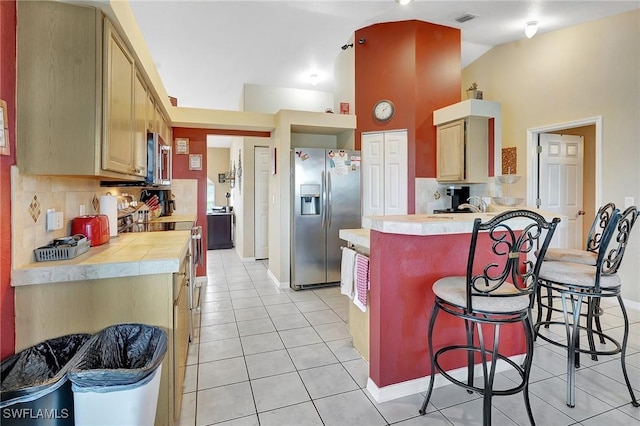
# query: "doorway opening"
591,129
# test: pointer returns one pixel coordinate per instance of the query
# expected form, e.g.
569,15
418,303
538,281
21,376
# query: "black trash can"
34,389
116,376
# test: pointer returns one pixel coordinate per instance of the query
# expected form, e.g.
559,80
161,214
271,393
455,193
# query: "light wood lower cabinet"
180,336
51,310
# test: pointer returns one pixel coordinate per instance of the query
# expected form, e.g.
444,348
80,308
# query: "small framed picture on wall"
182,145
195,162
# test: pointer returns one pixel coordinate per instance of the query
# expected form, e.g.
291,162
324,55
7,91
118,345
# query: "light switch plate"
54,220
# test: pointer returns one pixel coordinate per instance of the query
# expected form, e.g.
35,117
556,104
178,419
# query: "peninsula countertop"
424,224
128,254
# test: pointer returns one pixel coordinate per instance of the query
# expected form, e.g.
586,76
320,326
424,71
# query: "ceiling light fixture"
403,2
531,29
313,79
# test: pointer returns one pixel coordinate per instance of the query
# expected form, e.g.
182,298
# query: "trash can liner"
112,388
119,357
39,369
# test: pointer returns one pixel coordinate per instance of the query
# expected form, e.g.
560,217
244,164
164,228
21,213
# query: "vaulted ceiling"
206,50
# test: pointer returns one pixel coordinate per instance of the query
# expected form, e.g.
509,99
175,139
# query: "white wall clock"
384,110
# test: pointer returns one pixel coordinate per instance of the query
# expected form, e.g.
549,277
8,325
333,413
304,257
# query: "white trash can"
116,377
118,405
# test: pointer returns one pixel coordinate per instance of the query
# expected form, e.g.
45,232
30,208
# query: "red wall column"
417,66
197,145
8,94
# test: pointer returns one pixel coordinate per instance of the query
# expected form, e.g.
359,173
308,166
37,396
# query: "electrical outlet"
628,202
54,220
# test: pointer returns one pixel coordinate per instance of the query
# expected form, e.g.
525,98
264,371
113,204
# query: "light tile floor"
268,356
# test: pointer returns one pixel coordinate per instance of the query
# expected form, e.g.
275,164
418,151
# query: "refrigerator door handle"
329,200
322,200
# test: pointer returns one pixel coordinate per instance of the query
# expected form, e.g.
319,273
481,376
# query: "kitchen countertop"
128,254
359,237
176,218
424,224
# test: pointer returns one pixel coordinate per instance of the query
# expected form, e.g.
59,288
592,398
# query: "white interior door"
395,173
262,166
372,152
560,189
384,173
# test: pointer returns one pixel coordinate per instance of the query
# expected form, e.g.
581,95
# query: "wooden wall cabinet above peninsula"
81,101
469,141
462,147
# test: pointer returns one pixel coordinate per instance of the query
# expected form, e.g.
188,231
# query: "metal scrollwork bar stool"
576,282
588,256
489,296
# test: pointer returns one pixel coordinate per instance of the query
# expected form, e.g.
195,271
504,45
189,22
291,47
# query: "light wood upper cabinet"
83,108
151,114
119,72
140,100
462,155
59,88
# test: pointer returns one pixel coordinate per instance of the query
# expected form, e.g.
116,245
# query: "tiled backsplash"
431,195
33,195
185,192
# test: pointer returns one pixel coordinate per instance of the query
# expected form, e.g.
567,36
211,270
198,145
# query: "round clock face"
383,110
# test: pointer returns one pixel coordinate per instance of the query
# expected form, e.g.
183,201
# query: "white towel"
362,282
346,271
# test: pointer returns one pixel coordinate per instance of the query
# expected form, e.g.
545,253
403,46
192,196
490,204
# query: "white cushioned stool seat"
576,274
571,255
454,291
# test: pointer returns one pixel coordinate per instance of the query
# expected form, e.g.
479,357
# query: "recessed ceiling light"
403,2
313,79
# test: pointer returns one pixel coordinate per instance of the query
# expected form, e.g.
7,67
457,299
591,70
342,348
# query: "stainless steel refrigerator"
326,198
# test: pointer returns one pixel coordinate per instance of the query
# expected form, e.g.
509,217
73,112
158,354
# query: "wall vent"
465,17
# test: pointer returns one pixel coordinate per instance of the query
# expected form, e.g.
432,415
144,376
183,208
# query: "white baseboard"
200,281
247,259
275,280
412,387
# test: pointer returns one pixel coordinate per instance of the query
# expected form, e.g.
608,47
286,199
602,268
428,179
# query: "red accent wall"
8,94
403,271
417,66
197,145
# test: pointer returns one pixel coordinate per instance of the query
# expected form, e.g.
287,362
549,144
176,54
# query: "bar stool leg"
573,333
597,312
623,352
529,335
488,375
468,325
432,321
549,307
590,311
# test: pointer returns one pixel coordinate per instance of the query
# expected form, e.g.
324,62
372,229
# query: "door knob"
580,213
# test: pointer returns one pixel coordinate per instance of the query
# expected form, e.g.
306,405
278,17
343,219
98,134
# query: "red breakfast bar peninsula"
407,255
